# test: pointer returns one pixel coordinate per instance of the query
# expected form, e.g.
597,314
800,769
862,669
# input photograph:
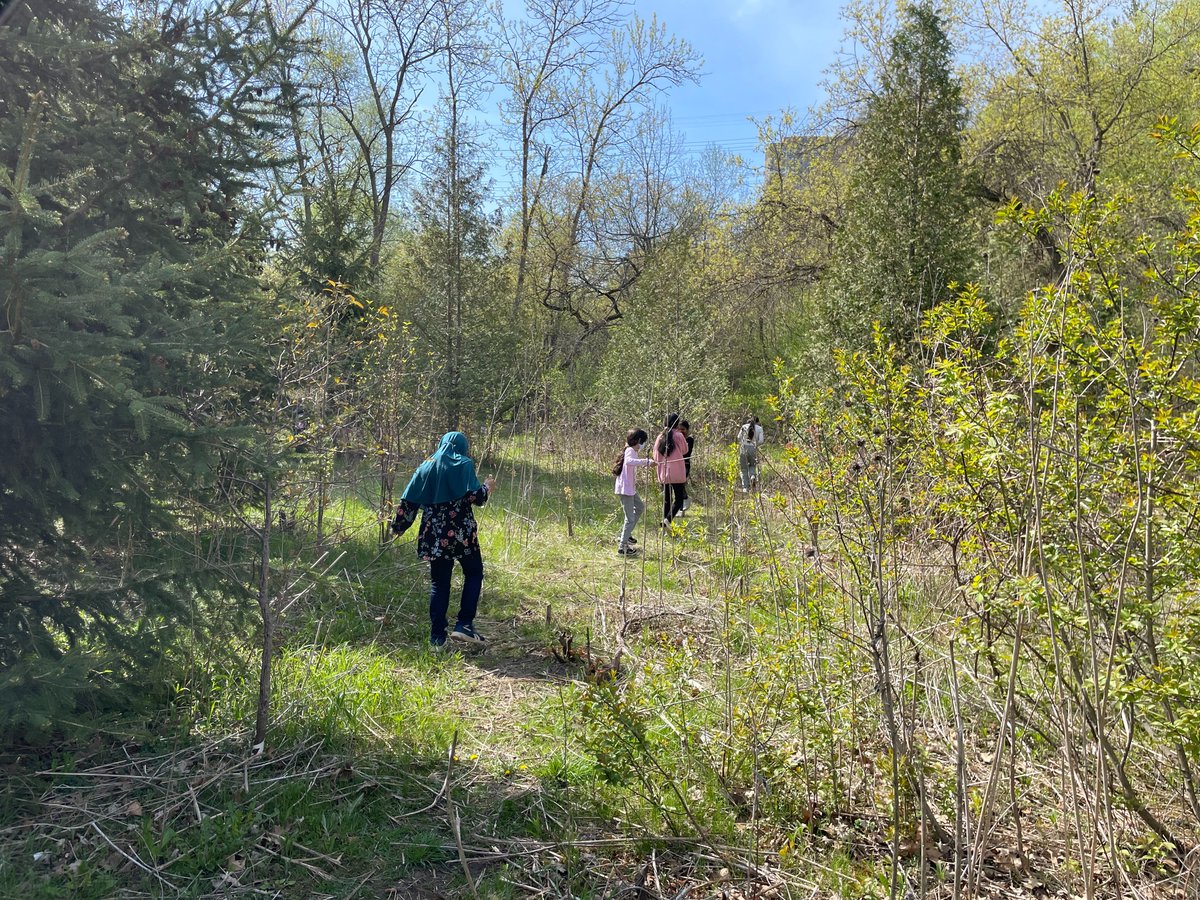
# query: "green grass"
364,714
354,697
739,724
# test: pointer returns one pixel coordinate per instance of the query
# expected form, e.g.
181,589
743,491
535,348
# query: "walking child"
672,471
750,438
444,489
625,469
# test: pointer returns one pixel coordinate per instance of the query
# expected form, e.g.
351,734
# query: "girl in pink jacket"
669,451
625,469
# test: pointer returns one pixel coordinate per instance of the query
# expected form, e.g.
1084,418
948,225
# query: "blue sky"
759,57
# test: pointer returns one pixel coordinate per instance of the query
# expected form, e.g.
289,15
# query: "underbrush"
357,780
708,716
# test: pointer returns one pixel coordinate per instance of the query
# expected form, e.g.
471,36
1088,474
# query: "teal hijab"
447,475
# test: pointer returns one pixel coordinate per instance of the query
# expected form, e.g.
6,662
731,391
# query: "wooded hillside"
257,257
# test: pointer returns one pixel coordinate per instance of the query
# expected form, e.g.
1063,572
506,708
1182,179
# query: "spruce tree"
129,254
905,232
451,275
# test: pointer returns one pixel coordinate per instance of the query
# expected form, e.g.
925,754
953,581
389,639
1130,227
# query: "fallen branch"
462,855
442,790
133,859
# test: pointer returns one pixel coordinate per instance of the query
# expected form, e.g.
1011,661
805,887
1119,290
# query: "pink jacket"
626,483
671,468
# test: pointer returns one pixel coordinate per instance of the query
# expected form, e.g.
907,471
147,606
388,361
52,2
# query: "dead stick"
462,854
133,859
320,873
445,783
196,805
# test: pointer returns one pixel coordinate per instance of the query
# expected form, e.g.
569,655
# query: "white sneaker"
467,634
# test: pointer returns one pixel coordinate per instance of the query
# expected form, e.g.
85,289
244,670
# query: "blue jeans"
440,570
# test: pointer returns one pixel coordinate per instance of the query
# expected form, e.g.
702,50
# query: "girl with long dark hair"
669,451
625,469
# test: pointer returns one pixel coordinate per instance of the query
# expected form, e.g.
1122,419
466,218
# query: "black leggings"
680,494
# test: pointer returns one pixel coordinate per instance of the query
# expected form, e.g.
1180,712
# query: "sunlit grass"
353,676
353,697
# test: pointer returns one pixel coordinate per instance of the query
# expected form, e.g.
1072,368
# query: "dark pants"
671,506
440,571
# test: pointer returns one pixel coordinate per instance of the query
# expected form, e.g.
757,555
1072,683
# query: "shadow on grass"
528,663
210,820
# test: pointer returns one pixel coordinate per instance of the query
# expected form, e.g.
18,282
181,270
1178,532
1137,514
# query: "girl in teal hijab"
444,489
447,475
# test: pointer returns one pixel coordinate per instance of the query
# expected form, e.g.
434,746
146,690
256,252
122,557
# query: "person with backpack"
669,450
444,489
750,438
625,470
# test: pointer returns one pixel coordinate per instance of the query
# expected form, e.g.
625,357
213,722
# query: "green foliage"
129,256
988,489
354,697
665,356
335,240
905,234
447,279
1051,473
660,744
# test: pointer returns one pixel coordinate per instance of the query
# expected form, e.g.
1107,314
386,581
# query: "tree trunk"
268,633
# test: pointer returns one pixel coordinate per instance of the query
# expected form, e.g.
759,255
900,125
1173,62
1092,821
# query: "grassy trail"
357,794
701,720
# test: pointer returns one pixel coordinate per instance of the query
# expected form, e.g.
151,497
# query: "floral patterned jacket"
448,530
